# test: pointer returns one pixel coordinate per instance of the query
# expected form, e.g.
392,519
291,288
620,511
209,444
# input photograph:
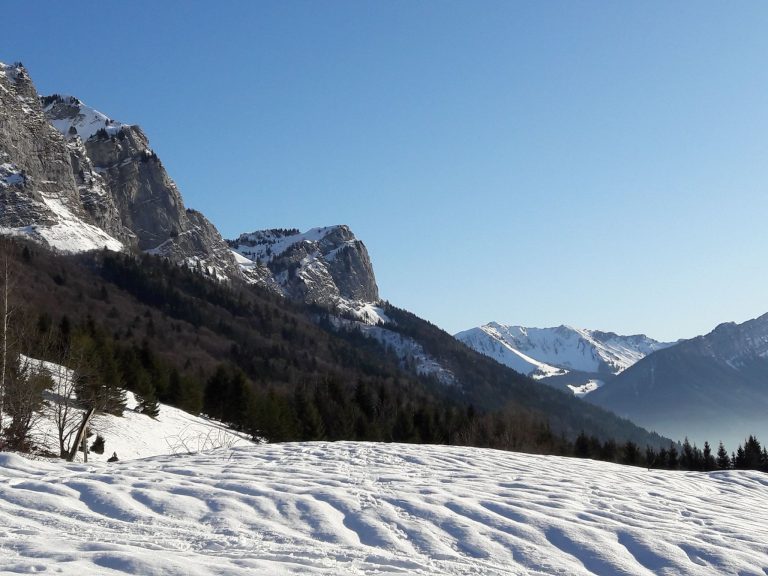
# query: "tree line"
686,456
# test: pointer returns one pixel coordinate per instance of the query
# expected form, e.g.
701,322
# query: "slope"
349,508
712,387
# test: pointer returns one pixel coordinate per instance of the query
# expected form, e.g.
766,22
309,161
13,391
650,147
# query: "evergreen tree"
723,461
740,459
709,462
631,454
581,446
687,457
752,453
651,458
673,462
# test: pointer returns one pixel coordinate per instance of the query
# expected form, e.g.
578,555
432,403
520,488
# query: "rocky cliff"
40,195
326,266
77,180
147,200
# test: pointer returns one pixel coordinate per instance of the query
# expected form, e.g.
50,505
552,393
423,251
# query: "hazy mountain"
713,387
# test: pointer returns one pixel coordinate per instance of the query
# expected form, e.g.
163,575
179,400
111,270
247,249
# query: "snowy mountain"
76,180
550,352
357,508
712,387
326,266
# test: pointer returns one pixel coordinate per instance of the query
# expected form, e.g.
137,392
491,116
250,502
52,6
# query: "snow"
389,509
71,234
10,71
132,435
265,245
547,352
584,389
67,232
10,175
135,435
241,260
84,119
408,350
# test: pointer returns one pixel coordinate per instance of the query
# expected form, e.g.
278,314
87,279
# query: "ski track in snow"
357,508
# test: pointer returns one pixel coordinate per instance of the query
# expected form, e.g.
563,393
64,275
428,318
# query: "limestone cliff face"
145,197
32,150
40,195
322,266
77,180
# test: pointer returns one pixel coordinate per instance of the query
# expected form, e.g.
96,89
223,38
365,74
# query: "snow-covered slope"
134,435
388,509
73,118
131,435
543,352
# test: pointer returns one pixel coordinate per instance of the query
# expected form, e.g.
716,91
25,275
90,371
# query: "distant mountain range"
713,387
574,357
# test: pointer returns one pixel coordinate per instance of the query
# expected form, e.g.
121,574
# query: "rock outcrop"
324,265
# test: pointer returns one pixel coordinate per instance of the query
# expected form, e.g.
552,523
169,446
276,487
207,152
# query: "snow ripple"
355,508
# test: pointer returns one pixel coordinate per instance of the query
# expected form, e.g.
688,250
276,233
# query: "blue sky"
599,164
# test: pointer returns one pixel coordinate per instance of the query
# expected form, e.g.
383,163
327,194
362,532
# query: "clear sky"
599,164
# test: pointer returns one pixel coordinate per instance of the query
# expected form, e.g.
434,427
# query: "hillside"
298,365
348,508
711,387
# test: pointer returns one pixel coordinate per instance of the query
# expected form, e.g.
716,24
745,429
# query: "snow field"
357,508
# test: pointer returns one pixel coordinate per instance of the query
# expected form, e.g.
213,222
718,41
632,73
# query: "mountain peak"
326,265
71,117
544,352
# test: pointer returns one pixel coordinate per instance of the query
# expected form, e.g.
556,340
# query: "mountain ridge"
550,352
708,387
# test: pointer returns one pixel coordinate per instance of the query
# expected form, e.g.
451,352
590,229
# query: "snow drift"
354,508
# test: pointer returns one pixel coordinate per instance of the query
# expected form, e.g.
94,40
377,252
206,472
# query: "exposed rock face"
39,194
146,199
323,266
77,180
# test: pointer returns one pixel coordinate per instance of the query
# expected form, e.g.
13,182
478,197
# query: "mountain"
77,180
713,387
278,332
326,266
563,354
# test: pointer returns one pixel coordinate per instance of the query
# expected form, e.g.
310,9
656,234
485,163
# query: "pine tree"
673,462
723,461
687,459
752,453
740,460
709,462
581,446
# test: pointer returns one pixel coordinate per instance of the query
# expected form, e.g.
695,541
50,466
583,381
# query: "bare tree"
63,405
